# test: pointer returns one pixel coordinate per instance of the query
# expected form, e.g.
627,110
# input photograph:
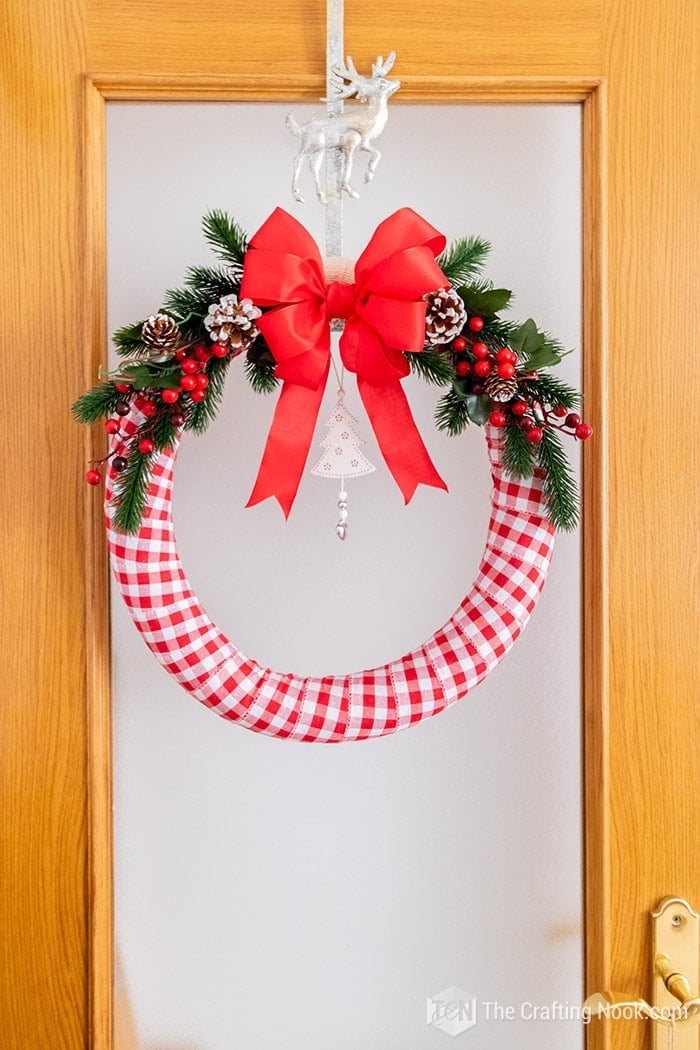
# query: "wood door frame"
590,94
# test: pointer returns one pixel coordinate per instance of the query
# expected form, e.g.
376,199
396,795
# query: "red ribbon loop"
384,313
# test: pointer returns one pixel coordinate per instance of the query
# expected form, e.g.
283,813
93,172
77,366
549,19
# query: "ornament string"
335,51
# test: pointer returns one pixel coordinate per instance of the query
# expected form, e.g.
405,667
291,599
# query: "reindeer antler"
380,68
342,73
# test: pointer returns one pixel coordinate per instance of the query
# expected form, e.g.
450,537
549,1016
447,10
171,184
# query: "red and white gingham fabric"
459,656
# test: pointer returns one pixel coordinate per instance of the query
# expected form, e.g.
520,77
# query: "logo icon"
453,1011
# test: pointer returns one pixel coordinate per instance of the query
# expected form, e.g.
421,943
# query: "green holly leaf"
142,376
526,339
485,303
479,408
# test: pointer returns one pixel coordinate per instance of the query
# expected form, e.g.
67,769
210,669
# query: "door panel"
633,62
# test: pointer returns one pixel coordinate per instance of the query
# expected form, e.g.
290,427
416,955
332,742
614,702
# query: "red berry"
535,435
122,388
519,408
122,408
480,350
112,426
189,366
560,411
506,370
463,368
198,394
503,355
169,396
459,345
119,464
219,350
188,383
177,418
513,357
149,408
477,389
475,324
527,423
202,353
497,419
572,420
584,431
202,381
482,368
181,354
146,446
93,477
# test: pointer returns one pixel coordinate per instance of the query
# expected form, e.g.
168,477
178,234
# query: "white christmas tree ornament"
342,457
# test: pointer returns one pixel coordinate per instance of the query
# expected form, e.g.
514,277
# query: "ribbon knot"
384,314
340,300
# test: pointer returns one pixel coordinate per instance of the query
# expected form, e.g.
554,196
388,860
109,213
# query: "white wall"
272,894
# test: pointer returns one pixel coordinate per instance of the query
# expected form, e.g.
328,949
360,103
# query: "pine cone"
500,389
445,316
160,333
232,322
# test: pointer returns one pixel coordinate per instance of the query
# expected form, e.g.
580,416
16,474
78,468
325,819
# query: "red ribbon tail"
288,444
399,440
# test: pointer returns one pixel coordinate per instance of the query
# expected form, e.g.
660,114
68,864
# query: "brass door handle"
675,979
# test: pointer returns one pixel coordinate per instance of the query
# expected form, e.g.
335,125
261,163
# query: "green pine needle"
212,282
261,377
517,453
433,366
161,431
189,307
451,414
97,403
548,389
226,237
464,258
128,342
563,504
131,492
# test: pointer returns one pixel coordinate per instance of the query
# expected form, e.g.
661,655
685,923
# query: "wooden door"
628,63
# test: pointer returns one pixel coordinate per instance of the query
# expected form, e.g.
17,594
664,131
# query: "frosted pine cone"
232,322
160,333
445,316
500,389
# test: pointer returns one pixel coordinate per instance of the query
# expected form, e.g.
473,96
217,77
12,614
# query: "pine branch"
496,332
432,365
162,431
96,403
210,281
202,413
563,505
260,376
189,307
128,342
131,492
464,258
226,237
517,453
451,413
548,389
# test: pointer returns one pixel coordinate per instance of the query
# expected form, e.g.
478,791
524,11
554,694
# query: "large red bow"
384,314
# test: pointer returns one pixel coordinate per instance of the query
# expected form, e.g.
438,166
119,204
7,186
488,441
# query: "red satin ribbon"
384,314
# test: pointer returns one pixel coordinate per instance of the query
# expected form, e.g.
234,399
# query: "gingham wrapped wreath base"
383,700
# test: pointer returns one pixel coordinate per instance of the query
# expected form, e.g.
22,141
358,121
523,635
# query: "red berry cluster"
193,385
476,359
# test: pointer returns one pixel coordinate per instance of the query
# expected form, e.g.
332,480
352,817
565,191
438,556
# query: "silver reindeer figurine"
352,131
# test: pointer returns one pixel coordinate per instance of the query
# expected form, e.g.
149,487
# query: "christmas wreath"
407,303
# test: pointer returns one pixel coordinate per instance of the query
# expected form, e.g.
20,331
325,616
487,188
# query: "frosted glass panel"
278,895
